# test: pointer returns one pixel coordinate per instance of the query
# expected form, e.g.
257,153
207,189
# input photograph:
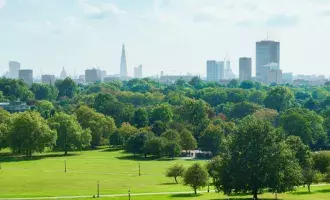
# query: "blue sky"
176,36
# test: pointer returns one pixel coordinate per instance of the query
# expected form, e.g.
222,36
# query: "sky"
174,36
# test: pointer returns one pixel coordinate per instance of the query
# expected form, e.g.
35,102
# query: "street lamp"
129,194
64,165
98,189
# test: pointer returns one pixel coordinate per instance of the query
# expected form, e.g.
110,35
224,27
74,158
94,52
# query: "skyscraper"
63,74
215,70
123,65
14,67
93,75
138,72
48,79
245,68
267,51
26,75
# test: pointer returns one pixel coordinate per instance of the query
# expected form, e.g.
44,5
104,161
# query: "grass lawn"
116,171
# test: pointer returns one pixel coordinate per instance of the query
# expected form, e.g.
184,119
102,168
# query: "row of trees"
259,158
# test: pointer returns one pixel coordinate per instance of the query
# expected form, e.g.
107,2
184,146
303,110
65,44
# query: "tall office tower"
270,73
63,74
266,52
214,70
245,68
93,76
14,67
26,75
48,79
123,65
138,72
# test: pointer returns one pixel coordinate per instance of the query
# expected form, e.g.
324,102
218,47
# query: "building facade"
245,69
287,78
267,52
63,74
14,68
48,79
270,73
123,64
215,70
138,72
26,75
93,76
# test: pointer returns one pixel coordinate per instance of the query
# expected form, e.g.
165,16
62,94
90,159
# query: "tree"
173,148
257,96
15,89
247,84
30,133
187,141
196,177
45,108
101,127
258,158
171,135
125,131
162,113
159,127
267,114
70,135
213,96
304,123
175,171
154,146
116,139
242,109
213,140
136,142
44,91
233,83
321,161
311,176
280,98
312,104
196,82
66,88
141,118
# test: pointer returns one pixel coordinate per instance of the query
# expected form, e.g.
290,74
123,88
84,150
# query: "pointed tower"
123,65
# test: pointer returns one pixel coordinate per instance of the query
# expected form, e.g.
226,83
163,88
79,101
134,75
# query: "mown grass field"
116,171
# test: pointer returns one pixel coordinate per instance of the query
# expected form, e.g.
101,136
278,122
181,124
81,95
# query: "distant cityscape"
268,71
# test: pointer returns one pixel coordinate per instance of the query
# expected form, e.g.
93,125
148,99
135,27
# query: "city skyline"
160,35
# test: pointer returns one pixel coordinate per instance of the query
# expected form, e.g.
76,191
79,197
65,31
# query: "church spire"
123,65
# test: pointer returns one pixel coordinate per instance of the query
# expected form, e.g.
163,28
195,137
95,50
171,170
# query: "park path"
106,195
116,195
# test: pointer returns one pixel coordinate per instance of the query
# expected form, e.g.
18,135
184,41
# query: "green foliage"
141,118
304,123
135,143
5,122
15,89
45,108
66,88
196,177
173,149
44,91
101,127
267,114
171,135
242,109
258,158
187,140
321,161
155,146
279,98
162,113
247,84
257,96
70,135
213,139
175,171
30,133
213,96
159,127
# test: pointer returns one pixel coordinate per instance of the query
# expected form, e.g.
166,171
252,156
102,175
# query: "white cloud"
100,10
2,3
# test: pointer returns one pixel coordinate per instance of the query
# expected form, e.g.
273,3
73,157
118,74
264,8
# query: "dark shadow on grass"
169,184
312,192
8,157
137,158
111,149
188,195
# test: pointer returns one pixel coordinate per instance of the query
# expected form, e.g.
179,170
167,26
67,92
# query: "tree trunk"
309,187
195,190
145,155
66,152
255,195
175,180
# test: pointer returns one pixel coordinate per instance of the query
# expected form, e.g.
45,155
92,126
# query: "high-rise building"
266,52
48,79
270,73
123,65
138,72
245,68
215,70
14,67
26,75
93,75
63,74
229,74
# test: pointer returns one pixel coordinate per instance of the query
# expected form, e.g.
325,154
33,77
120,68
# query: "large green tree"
162,113
66,88
213,139
30,133
196,177
70,135
279,98
304,123
188,141
258,159
44,91
141,118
